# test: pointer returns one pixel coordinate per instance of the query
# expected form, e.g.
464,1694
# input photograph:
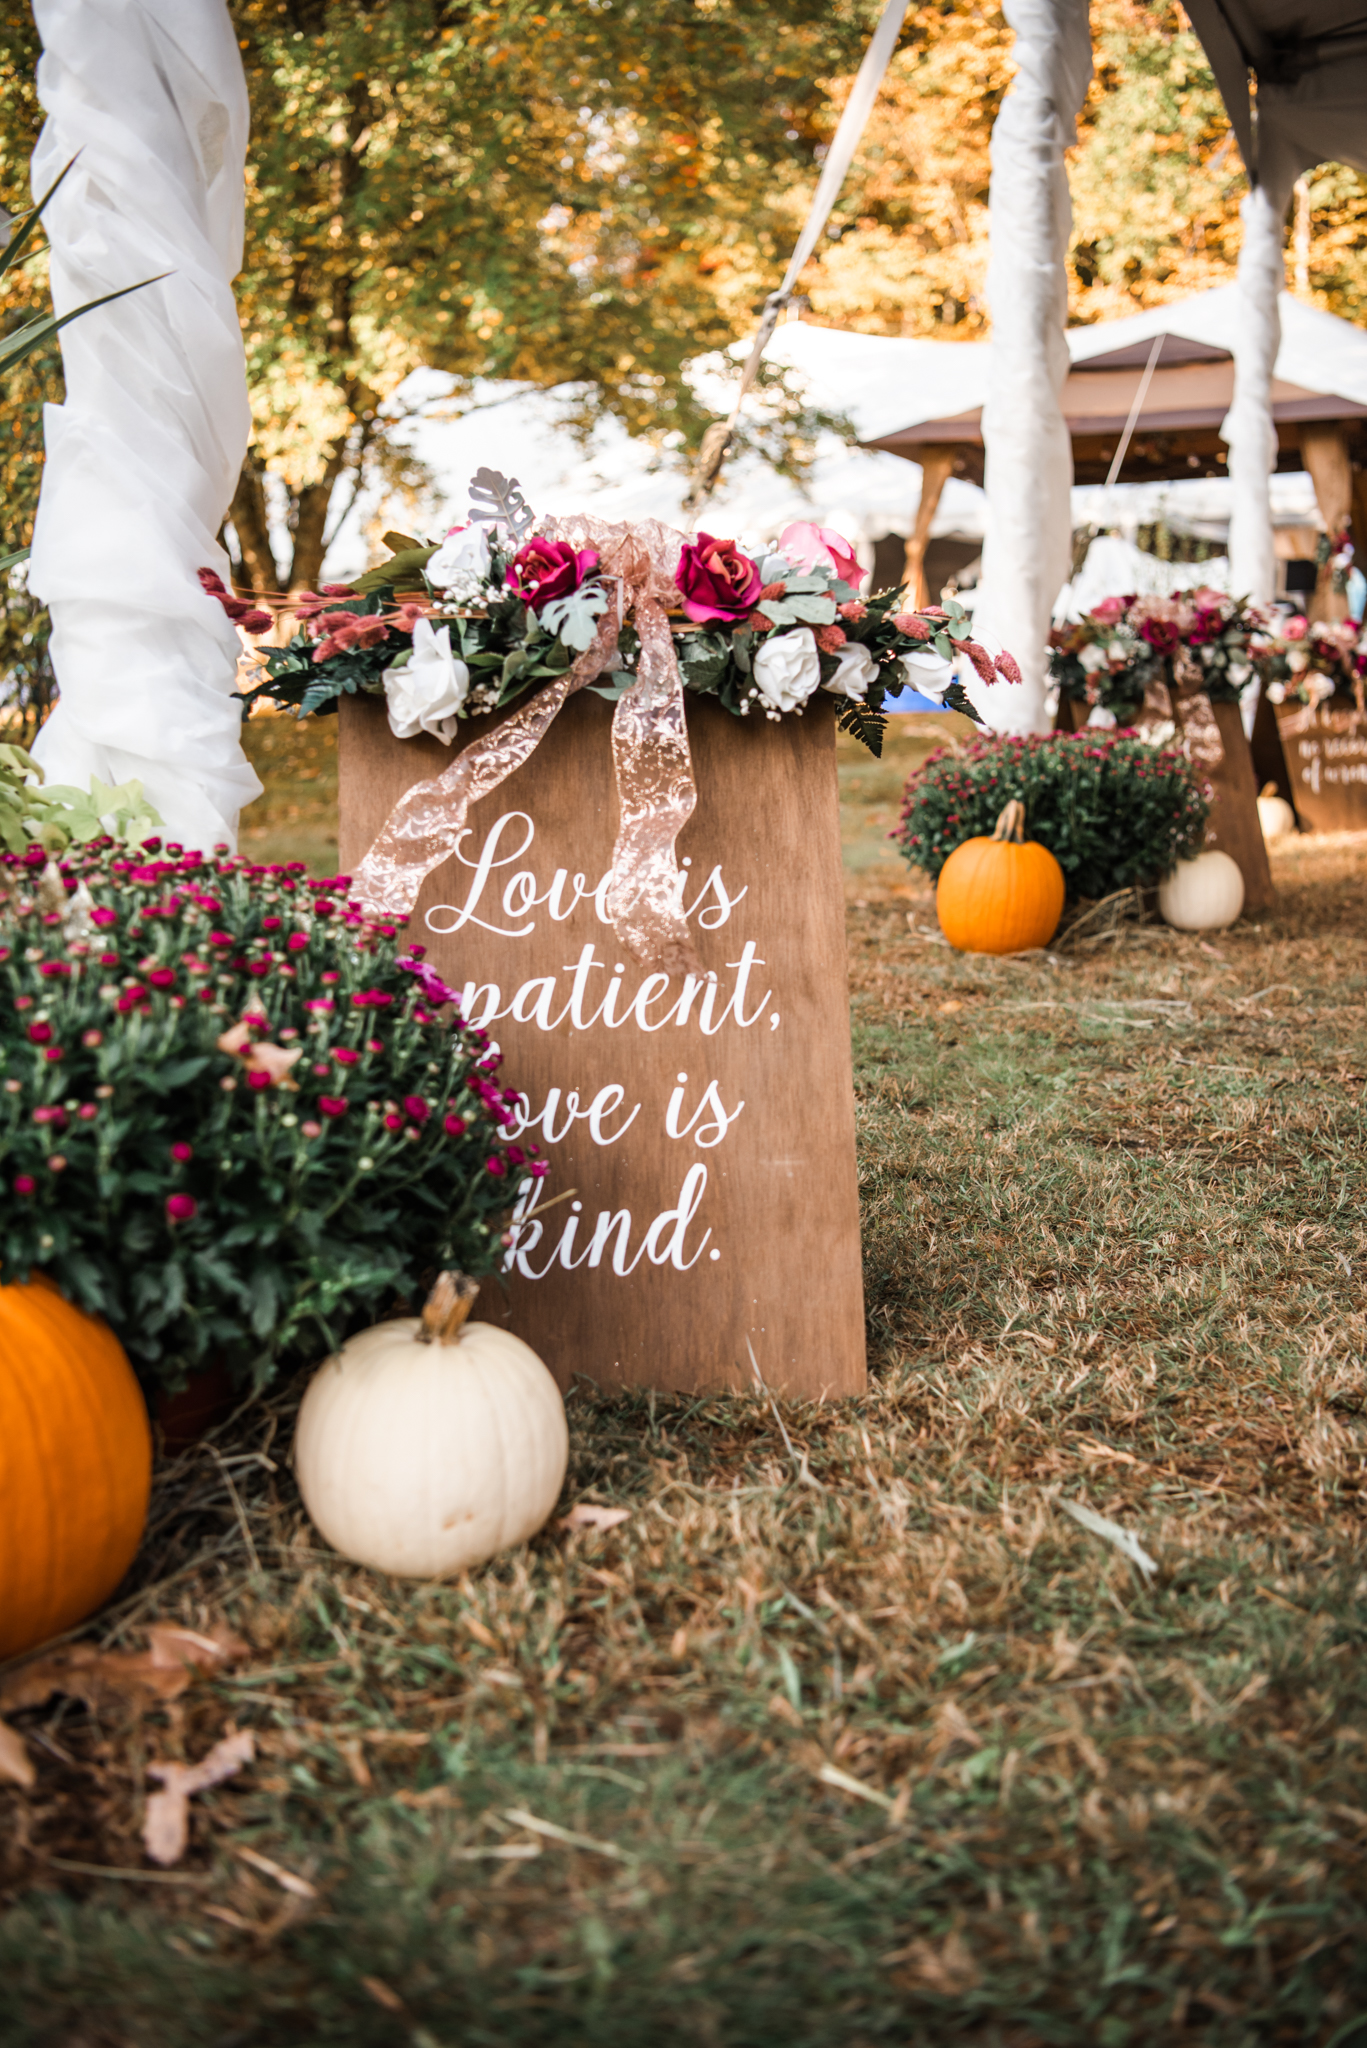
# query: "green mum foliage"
1112,811
237,1118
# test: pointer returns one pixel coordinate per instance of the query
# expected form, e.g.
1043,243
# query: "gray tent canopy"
1293,76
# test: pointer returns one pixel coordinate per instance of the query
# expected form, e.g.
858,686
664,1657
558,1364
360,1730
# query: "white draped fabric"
1029,462
143,457
1248,428
1310,68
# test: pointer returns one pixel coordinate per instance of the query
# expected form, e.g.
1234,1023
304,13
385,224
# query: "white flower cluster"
787,671
427,693
460,567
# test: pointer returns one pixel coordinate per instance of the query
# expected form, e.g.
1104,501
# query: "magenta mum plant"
238,1119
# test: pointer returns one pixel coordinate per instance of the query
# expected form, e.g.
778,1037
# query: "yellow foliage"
1156,181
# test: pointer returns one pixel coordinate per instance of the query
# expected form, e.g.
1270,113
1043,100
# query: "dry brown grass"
866,1741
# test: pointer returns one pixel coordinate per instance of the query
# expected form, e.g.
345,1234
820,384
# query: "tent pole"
1324,451
1029,460
144,455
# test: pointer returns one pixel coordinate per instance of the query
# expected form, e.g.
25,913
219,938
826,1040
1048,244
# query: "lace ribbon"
656,794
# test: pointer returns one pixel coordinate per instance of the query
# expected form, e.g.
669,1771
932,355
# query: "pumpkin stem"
1268,789
446,1307
1011,823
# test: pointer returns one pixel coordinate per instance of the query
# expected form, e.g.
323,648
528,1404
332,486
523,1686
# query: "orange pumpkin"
1003,894
75,1465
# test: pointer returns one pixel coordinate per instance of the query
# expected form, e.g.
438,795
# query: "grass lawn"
878,1746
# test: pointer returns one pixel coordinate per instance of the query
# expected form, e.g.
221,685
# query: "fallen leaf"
174,1648
585,1514
1209,949
1124,1540
16,1765
235,1038
949,1009
166,1826
287,1880
127,1678
382,1994
274,1060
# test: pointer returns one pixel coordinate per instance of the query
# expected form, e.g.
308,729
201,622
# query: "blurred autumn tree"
590,192
523,189
566,191
25,670
1156,182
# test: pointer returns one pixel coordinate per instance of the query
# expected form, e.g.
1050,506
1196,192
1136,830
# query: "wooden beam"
937,466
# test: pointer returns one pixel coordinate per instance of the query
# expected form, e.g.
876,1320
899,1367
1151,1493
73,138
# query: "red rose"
546,569
716,580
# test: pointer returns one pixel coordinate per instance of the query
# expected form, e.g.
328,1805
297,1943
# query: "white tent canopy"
883,383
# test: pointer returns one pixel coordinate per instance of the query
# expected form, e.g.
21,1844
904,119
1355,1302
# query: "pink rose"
812,547
716,580
1108,611
546,569
1295,629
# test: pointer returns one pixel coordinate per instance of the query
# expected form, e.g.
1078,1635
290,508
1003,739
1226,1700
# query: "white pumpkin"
1202,895
1275,814
429,1443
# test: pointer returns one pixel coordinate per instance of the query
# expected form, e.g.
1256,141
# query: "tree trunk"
311,521
248,515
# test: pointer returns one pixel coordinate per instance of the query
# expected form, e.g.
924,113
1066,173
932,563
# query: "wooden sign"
1233,825
707,1131
1326,757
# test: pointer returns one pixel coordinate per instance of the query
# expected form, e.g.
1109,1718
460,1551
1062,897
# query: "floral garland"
1310,662
471,625
1201,637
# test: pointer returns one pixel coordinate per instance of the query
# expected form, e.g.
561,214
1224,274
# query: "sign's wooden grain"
1233,824
1326,753
708,1132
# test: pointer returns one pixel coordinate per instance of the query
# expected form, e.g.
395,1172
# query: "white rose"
787,668
775,568
461,564
1092,657
856,671
928,674
427,693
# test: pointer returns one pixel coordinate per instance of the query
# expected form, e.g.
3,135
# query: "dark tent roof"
1293,74
1177,432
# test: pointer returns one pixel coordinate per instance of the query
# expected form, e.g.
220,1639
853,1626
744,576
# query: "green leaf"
175,1074
399,567
13,253
24,340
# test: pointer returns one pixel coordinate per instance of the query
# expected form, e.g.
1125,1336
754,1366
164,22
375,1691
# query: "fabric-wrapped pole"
1248,427
1029,461
148,96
